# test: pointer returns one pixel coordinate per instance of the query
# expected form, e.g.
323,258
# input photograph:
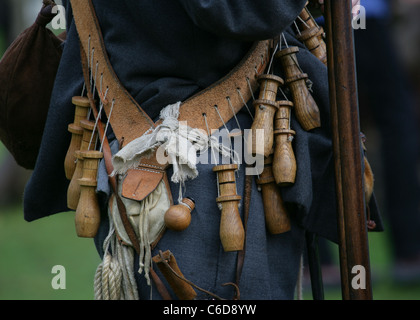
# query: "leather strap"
129,120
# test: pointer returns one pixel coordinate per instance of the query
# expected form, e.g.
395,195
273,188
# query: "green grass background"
28,252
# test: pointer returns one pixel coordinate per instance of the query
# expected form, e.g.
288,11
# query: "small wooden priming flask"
82,106
73,191
306,109
265,109
310,37
284,161
308,21
87,218
276,216
178,217
168,266
232,234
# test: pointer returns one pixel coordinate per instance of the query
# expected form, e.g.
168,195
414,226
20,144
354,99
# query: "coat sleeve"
243,19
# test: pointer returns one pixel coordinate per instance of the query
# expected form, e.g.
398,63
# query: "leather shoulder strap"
129,120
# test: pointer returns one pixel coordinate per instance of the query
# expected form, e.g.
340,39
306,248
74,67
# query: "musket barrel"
353,242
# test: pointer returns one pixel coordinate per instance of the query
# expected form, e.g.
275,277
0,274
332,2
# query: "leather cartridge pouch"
144,191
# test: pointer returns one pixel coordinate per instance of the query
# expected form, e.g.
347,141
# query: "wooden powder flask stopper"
284,161
310,37
82,106
306,109
87,218
81,112
265,109
276,216
73,191
232,234
168,266
178,217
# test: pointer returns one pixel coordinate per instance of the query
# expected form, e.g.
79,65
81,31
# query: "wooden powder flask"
310,37
232,233
73,191
276,216
306,109
81,112
178,217
168,266
265,109
82,107
309,22
284,161
87,218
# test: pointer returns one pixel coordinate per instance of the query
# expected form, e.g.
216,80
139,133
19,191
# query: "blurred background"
387,54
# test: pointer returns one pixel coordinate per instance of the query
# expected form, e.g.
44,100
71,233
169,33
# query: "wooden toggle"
284,163
232,234
81,112
276,216
73,191
178,217
306,109
265,109
88,218
168,266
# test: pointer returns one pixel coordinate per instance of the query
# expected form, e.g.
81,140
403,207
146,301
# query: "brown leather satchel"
27,74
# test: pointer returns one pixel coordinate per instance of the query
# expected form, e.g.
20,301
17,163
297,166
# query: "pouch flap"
140,182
